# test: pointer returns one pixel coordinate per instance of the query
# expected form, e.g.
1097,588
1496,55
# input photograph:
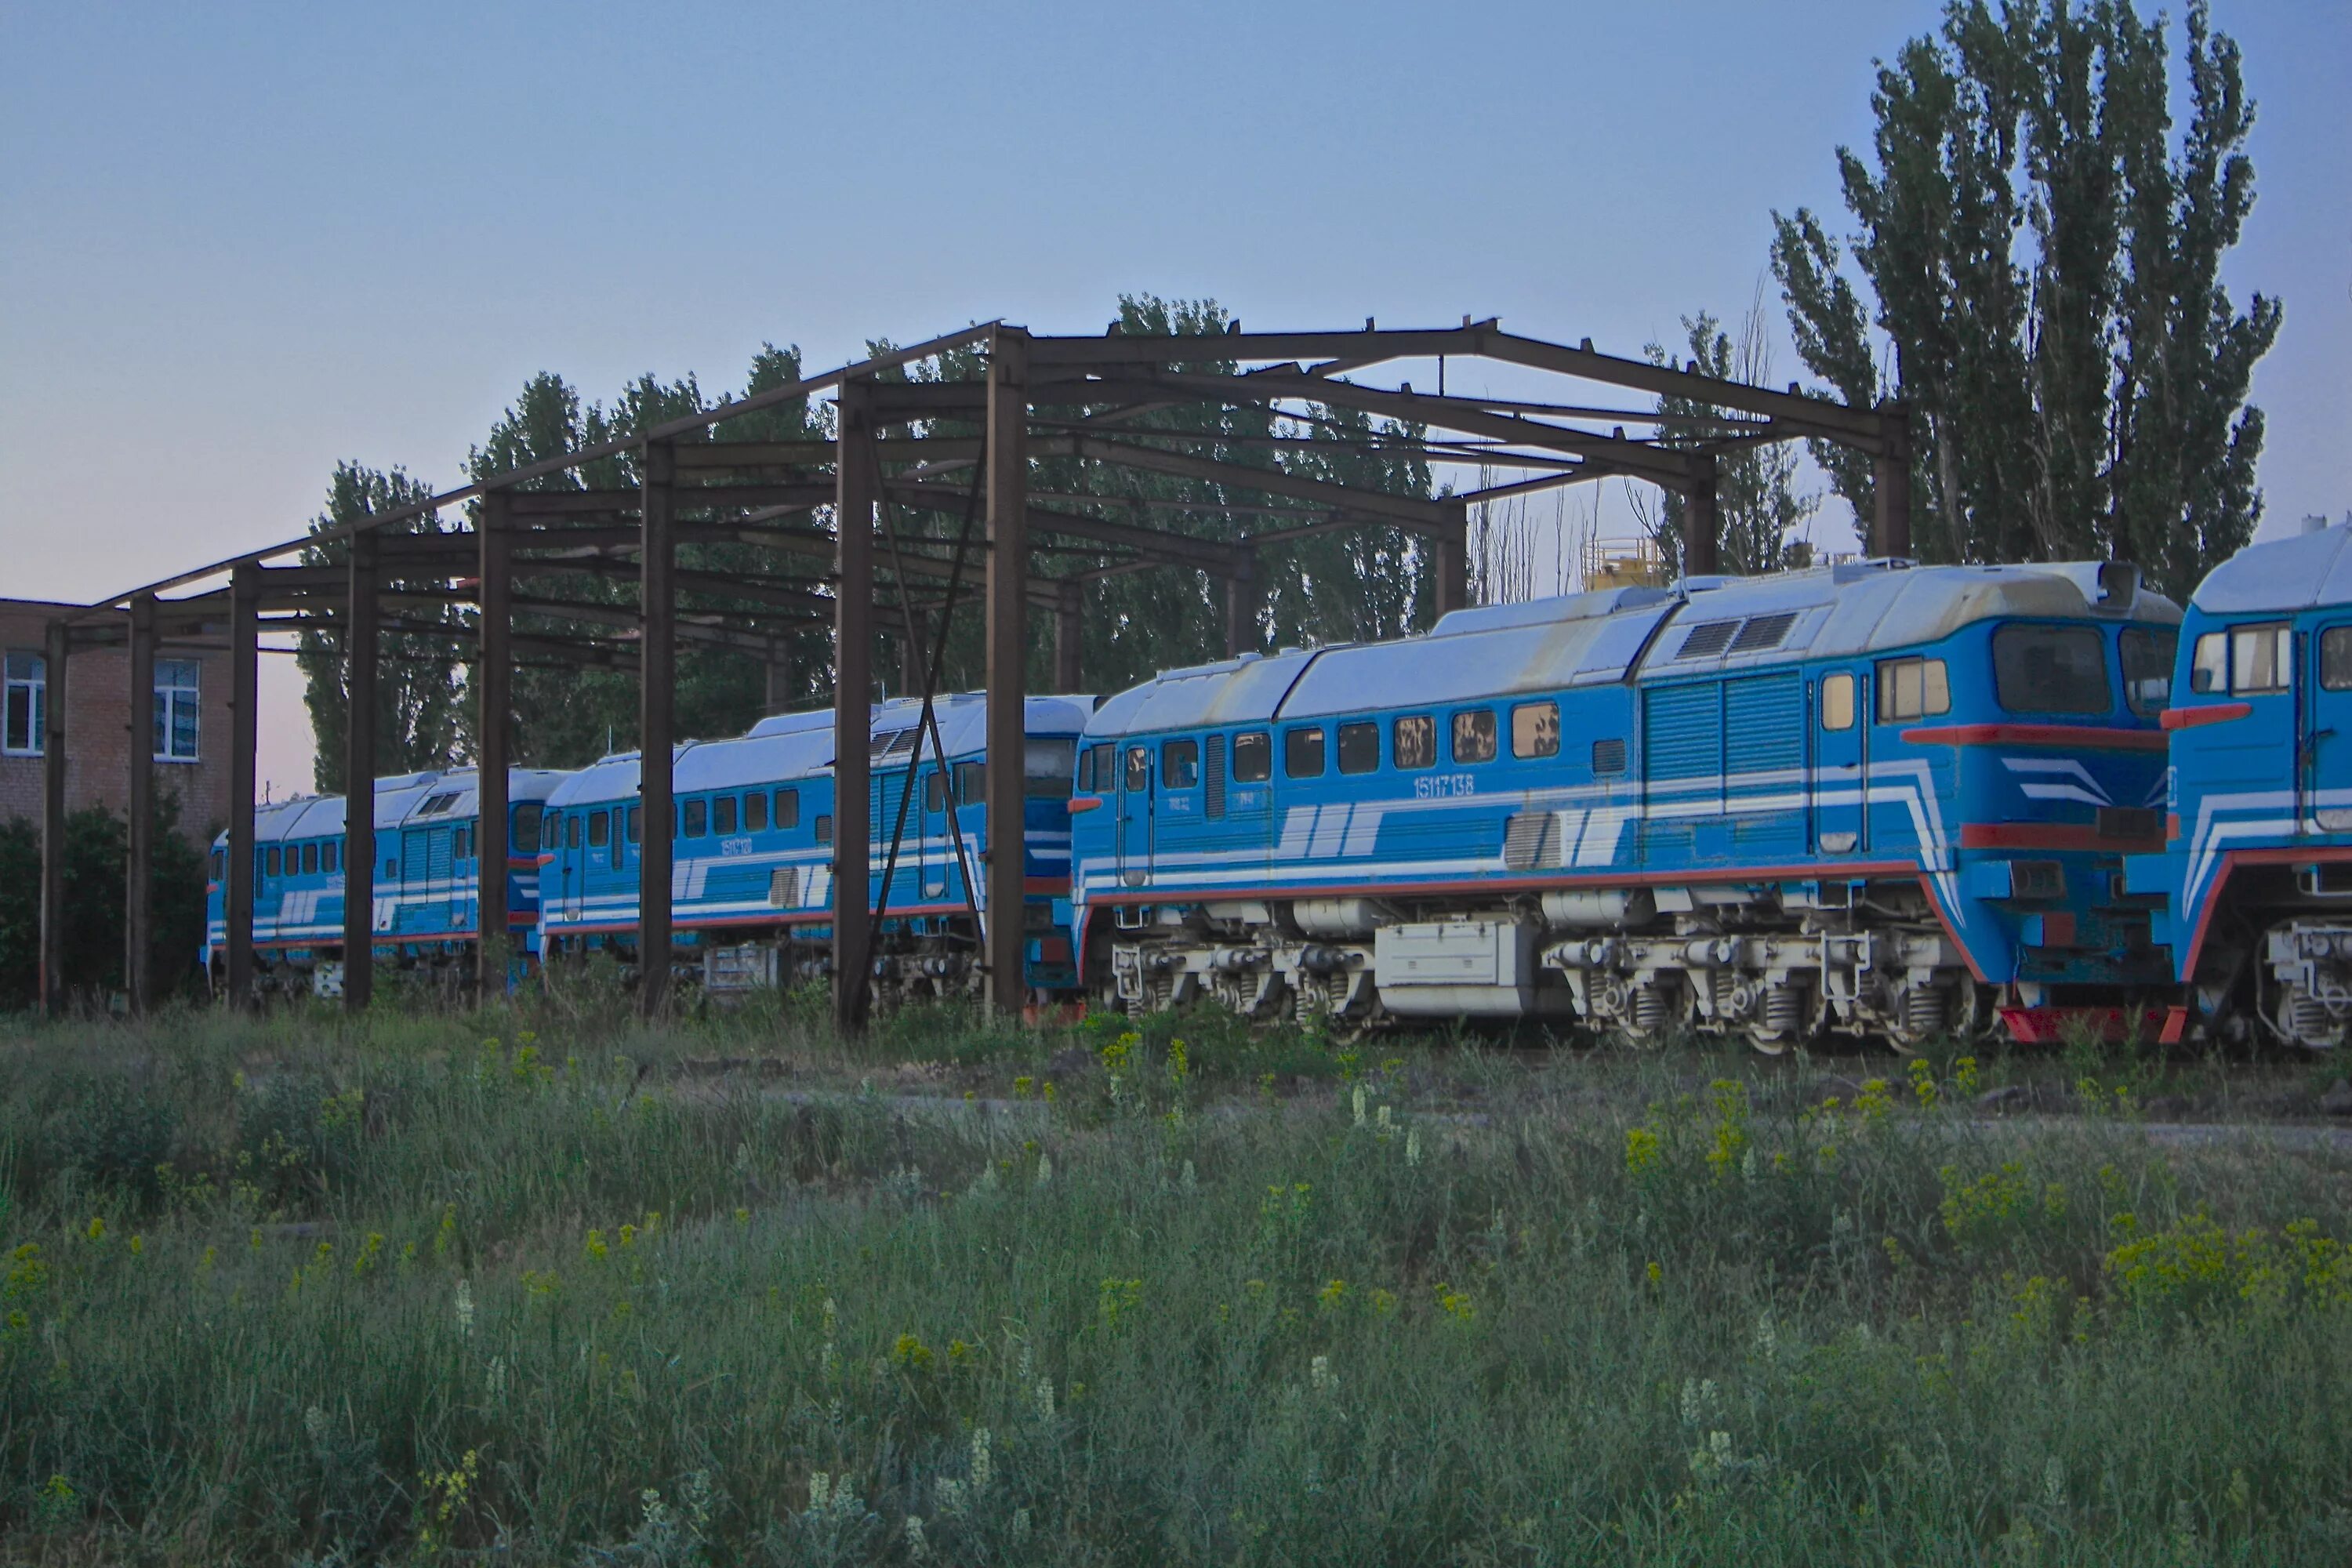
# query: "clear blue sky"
258,240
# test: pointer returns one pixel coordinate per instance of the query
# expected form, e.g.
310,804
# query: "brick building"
187,723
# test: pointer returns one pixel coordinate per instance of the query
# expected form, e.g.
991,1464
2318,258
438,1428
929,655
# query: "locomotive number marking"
1440,785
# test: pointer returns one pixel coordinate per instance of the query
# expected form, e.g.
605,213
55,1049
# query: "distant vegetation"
428,1289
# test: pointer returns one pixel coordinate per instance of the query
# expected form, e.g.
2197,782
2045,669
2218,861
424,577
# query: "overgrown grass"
294,1289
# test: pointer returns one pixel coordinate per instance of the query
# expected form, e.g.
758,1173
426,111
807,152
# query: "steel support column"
1452,545
493,674
363,628
52,820
138,869
1008,653
1702,535
1890,475
1241,604
853,683
1069,635
244,727
780,678
657,702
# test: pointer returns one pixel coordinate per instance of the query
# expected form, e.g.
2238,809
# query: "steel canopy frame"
815,503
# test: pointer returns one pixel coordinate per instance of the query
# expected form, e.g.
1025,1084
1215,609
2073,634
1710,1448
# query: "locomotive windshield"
2148,667
1047,765
2051,669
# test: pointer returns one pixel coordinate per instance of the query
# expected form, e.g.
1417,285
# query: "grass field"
534,1289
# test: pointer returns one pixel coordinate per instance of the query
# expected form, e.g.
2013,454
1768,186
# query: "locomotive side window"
1413,743
971,784
270,862
463,838
2336,659
722,814
824,828
935,791
1473,735
636,822
310,859
1302,753
1179,763
1087,771
220,864
2051,669
755,812
1359,747
620,855
1535,729
1105,758
330,857
572,831
600,830
788,808
1837,702
1139,767
2148,667
697,817
1252,757
2259,658
1912,688
2210,672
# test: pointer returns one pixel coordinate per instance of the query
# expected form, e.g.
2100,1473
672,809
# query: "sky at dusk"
238,244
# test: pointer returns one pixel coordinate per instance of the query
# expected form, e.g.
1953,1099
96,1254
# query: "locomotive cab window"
1302,753
522,837
1139,767
2336,659
2245,659
1047,764
1252,757
1837,702
722,814
755,812
2051,669
1179,763
1412,741
1535,729
1086,770
1473,735
1106,760
971,784
1359,747
697,817
2148,667
1913,689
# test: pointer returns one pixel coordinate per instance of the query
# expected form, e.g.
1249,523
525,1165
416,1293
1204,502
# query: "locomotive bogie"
2306,982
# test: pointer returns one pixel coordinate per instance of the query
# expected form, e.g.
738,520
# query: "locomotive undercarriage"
2303,983
1776,971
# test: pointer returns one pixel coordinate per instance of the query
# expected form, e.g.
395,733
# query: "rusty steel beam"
1890,475
656,715
1007,637
493,720
1702,533
244,666
1412,512
139,869
362,650
57,647
854,470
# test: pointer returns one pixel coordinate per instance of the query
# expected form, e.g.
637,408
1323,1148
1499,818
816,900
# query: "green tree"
2043,257
1757,507
416,680
96,863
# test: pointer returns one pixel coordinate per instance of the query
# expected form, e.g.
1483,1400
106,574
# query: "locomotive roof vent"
1707,640
1762,632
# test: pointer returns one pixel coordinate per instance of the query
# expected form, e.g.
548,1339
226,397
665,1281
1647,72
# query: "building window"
178,702
28,688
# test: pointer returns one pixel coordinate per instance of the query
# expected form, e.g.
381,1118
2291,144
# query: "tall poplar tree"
417,692
2043,255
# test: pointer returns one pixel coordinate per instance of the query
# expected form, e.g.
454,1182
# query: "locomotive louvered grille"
1531,840
1609,755
1761,632
1212,780
1707,640
888,790
1764,724
784,887
1682,731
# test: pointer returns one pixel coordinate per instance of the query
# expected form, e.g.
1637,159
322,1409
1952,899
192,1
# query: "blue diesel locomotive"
427,905
2255,875
753,882
1873,798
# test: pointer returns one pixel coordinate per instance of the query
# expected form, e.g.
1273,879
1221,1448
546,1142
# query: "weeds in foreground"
276,1291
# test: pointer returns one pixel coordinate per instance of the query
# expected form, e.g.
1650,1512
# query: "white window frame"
172,695
36,704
